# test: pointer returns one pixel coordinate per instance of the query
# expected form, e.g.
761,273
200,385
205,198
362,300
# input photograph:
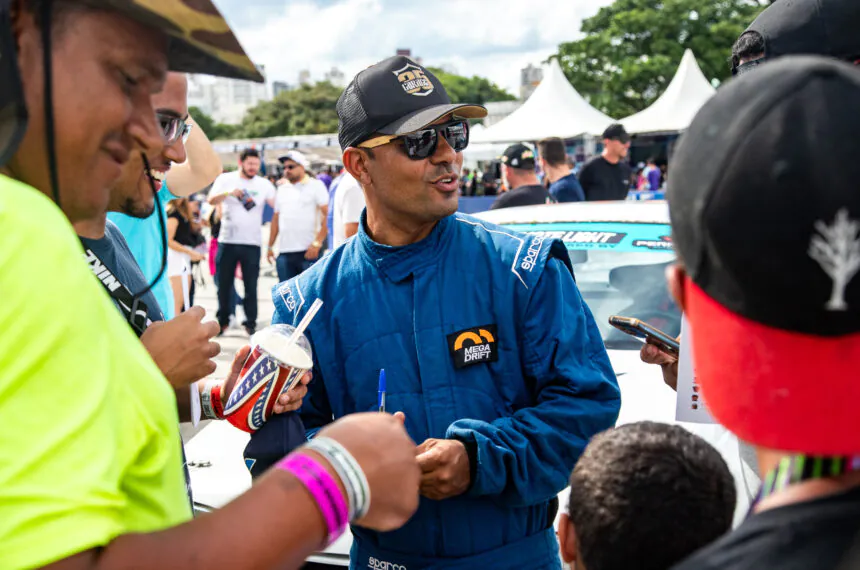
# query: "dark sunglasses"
173,128
422,144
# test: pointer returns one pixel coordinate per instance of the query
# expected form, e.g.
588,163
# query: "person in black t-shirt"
607,177
518,172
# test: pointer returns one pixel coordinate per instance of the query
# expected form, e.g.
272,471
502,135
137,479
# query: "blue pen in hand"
382,390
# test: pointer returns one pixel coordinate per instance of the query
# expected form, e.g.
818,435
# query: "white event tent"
555,109
481,152
688,92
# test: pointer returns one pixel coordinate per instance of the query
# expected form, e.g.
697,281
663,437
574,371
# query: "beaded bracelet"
350,472
322,488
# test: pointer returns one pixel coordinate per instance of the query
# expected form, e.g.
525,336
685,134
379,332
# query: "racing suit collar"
398,263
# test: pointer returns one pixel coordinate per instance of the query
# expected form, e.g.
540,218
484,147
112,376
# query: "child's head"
645,496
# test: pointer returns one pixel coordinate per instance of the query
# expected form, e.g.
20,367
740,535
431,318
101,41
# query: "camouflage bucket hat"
200,39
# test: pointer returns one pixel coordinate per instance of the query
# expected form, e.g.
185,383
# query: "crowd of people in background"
311,209
607,176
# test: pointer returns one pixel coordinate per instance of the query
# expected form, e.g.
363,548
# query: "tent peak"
674,110
555,109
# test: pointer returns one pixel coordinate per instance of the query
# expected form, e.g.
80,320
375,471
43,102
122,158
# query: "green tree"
470,89
310,109
631,49
212,129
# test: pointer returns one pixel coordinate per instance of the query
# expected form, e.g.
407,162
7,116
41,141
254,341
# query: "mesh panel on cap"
351,117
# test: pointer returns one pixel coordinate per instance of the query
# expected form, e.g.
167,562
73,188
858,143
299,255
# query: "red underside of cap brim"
774,388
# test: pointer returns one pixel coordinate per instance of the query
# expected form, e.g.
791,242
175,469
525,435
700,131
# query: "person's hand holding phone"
651,354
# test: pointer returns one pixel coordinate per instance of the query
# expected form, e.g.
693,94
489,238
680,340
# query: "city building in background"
226,100
305,77
336,77
407,52
530,78
279,87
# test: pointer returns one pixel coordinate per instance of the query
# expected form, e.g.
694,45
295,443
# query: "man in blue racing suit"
487,346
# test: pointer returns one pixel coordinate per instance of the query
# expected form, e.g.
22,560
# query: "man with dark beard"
142,224
243,195
181,347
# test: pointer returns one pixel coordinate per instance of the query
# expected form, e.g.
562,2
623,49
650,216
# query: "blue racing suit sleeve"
526,458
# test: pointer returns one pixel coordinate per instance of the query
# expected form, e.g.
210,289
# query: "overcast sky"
491,38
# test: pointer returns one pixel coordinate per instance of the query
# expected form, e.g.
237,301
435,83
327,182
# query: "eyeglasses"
422,144
173,129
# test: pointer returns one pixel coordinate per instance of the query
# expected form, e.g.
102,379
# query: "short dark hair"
647,495
750,45
553,151
249,153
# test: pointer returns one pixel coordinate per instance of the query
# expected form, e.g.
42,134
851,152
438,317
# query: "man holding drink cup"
486,344
90,469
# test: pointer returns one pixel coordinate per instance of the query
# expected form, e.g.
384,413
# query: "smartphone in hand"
640,329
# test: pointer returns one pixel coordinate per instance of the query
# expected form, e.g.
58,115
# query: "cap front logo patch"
473,346
414,81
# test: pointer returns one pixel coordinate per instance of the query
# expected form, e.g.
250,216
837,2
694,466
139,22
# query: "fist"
386,454
445,470
182,348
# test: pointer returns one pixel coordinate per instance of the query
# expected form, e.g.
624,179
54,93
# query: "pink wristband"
323,488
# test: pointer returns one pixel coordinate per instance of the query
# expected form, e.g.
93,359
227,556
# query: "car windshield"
620,270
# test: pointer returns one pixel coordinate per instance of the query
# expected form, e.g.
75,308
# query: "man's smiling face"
132,194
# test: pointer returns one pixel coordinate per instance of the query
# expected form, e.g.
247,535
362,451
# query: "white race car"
619,251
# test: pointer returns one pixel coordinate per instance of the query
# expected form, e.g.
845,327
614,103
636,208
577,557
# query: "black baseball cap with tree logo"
765,214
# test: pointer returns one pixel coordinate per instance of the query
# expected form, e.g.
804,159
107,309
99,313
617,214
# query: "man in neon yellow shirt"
90,468
91,450
57,499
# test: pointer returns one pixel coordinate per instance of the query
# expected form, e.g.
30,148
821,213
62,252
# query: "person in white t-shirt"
243,195
301,207
348,205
